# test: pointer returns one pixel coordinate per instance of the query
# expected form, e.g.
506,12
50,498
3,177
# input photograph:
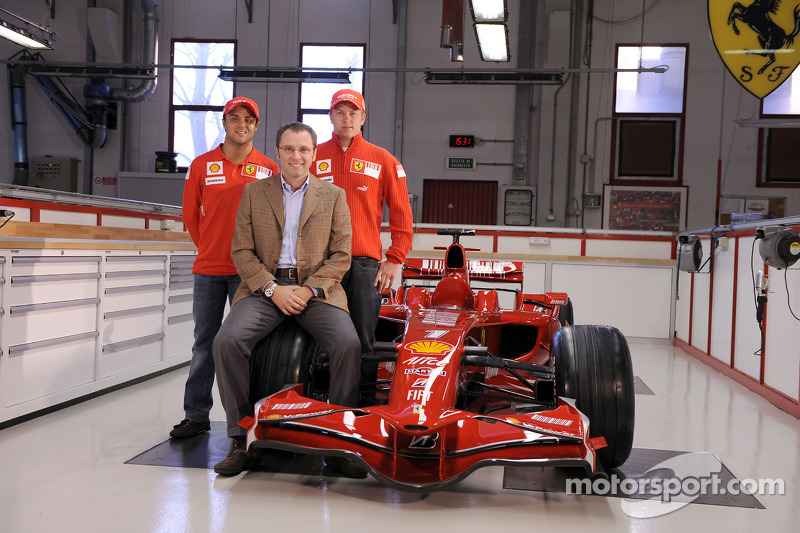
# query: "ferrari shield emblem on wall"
756,40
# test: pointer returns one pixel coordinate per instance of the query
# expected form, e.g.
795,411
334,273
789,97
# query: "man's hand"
291,299
387,272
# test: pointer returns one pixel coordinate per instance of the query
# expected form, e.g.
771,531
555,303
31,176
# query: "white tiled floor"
66,471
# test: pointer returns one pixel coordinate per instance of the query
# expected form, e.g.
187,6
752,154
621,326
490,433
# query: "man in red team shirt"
370,176
211,195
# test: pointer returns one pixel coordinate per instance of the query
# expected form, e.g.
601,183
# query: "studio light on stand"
23,36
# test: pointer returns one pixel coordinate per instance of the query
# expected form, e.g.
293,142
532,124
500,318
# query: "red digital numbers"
462,141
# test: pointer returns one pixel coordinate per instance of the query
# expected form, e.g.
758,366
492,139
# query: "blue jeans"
210,293
363,299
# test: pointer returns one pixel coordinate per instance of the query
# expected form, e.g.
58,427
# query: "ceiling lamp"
489,19
282,75
493,77
24,37
489,10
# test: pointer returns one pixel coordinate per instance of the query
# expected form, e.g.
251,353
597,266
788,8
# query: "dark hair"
297,127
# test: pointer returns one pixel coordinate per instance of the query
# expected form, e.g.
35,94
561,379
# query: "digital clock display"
462,141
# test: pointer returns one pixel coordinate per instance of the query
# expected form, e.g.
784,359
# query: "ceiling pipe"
149,57
19,121
452,34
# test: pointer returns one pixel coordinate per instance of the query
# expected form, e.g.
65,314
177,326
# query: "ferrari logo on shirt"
256,171
214,168
367,168
323,166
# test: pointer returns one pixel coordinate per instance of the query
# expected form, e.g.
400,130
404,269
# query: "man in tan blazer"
291,248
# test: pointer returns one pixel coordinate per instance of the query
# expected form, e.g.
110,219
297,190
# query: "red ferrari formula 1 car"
461,383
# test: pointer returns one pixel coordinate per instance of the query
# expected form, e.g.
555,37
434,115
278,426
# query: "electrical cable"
9,217
755,299
788,297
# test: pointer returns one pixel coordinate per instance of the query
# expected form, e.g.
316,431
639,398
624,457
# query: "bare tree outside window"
315,98
198,97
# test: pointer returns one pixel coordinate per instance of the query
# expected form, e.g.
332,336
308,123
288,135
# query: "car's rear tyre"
565,315
593,365
284,357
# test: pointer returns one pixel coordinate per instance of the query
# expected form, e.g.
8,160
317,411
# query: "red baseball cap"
241,101
349,95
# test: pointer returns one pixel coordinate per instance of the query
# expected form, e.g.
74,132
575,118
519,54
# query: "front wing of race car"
418,448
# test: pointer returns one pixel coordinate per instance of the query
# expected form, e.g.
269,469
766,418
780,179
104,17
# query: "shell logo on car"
430,347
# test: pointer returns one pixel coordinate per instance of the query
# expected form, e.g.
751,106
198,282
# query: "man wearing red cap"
211,195
370,176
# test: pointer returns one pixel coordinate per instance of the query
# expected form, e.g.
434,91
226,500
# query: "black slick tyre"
284,357
593,366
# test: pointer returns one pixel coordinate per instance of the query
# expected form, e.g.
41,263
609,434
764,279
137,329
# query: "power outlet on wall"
591,200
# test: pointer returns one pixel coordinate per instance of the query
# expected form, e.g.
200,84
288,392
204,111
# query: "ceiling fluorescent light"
488,10
492,78
493,42
23,37
282,76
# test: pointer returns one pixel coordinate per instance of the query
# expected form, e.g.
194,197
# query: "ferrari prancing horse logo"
756,41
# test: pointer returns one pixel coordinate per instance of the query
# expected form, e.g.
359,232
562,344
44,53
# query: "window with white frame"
778,144
198,96
649,108
315,98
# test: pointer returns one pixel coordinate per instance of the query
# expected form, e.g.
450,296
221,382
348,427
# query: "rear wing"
510,271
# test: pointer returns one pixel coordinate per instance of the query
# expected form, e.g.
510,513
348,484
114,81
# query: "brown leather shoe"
237,460
189,428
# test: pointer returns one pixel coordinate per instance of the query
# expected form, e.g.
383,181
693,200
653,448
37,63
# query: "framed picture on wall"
644,208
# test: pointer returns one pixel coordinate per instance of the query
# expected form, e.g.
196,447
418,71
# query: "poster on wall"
644,208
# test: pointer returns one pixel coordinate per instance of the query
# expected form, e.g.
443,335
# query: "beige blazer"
323,240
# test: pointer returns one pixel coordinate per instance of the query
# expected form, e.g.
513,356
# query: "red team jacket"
211,196
369,174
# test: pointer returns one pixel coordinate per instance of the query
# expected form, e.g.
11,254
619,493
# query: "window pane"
318,95
648,92
196,132
785,100
321,124
781,158
201,86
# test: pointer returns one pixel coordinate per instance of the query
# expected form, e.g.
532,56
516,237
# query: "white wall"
432,112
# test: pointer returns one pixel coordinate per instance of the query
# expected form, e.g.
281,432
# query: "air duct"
19,121
149,57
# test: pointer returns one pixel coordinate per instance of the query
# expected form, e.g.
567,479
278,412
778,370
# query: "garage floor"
105,465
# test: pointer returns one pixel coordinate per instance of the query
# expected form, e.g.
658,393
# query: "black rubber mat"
207,449
659,467
640,387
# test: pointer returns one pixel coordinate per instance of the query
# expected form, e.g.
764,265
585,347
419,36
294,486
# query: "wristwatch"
269,289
